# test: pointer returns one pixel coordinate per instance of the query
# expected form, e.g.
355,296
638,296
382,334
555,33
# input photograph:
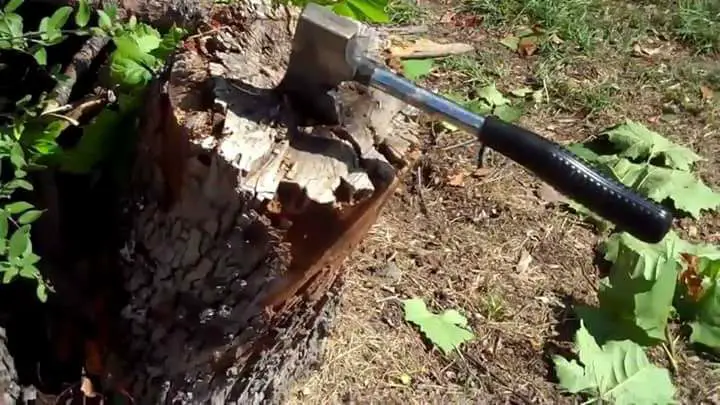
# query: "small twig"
669,349
433,50
413,29
80,64
459,144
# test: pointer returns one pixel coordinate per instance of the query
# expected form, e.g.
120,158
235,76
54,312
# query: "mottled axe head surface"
323,49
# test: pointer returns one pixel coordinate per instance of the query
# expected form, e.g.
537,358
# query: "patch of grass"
586,23
405,12
569,19
698,22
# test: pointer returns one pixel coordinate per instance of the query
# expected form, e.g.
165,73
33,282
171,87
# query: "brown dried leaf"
644,51
528,46
707,93
691,278
457,179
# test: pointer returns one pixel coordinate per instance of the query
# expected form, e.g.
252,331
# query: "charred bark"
241,219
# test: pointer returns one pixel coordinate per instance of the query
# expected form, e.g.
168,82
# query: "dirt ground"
493,245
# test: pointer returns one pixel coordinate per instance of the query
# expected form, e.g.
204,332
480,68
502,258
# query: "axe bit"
329,49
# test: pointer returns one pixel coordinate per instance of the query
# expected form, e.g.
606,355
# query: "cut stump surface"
241,218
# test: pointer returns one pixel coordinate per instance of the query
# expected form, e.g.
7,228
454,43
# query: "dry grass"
460,246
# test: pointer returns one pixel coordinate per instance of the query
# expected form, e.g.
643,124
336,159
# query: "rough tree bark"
241,218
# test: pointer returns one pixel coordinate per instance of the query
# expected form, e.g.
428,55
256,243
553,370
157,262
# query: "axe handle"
548,160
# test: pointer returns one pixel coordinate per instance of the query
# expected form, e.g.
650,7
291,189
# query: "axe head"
324,48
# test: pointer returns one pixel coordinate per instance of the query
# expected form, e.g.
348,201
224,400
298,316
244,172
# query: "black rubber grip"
570,176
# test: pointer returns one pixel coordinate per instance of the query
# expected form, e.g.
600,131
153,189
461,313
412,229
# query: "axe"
329,49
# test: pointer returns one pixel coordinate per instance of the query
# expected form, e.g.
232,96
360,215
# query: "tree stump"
241,217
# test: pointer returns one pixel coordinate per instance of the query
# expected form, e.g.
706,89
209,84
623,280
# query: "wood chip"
425,48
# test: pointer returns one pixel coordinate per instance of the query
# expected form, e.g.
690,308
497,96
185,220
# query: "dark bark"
233,297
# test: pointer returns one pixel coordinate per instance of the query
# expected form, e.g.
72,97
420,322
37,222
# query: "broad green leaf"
492,95
618,372
638,142
687,192
706,326
19,242
639,308
17,207
511,42
11,28
104,21
342,8
29,217
82,15
146,37
12,5
507,113
40,56
60,17
446,331
414,69
128,72
370,10
643,260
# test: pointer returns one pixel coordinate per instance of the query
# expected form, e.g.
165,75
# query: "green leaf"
639,308
414,69
342,8
706,326
82,15
618,372
511,42
638,142
688,193
369,10
492,95
29,217
169,42
145,37
41,291
507,113
12,5
60,17
643,260
129,72
17,207
9,274
40,56
104,21
29,271
19,241
4,225
446,331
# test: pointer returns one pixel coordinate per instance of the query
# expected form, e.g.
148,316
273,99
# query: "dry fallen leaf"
707,93
523,263
640,50
528,46
457,179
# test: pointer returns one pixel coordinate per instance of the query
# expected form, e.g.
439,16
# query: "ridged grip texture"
570,176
